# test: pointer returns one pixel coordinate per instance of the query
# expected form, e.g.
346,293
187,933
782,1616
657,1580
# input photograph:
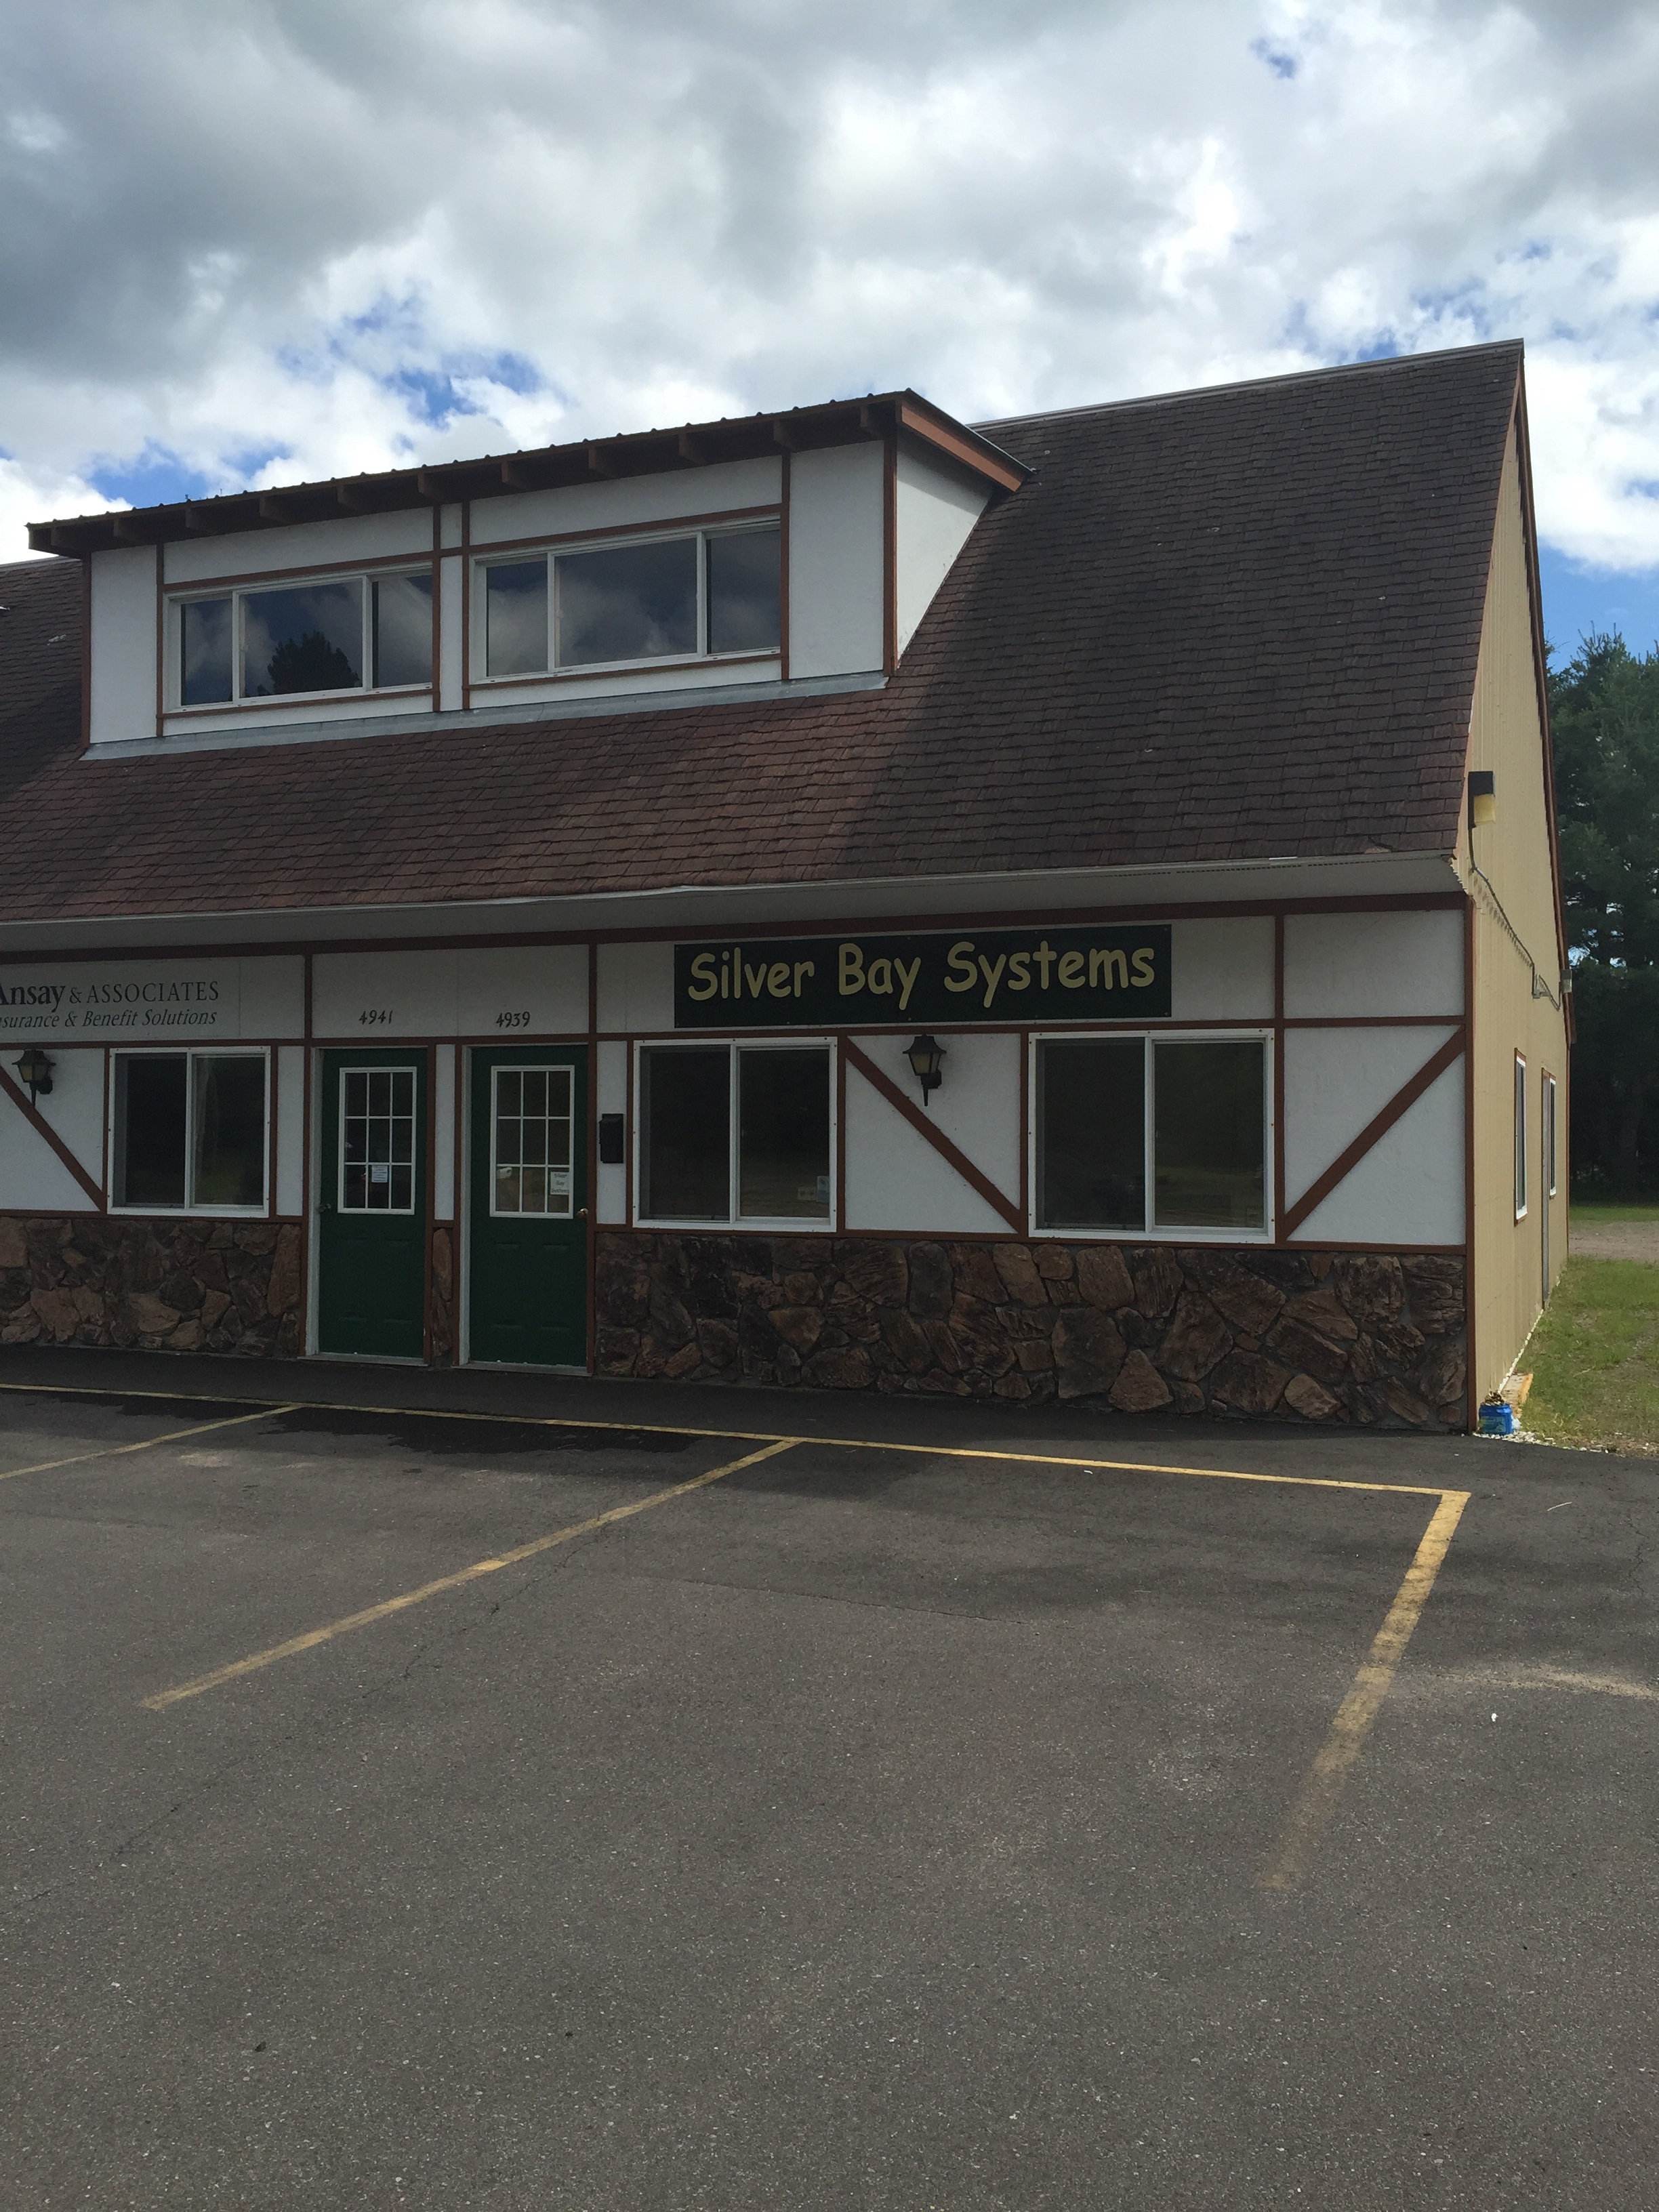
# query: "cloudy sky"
247,241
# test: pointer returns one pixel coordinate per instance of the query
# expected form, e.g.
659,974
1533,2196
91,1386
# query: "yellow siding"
1506,736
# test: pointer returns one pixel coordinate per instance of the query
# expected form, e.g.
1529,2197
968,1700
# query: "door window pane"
783,1134
306,637
1091,1135
403,630
204,653
151,1113
685,1133
229,1122
516,619
628,603
1209,1132
530,1164
377,1140
744,614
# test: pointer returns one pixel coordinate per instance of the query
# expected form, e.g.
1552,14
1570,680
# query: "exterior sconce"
35,1069
1482,798
924,1055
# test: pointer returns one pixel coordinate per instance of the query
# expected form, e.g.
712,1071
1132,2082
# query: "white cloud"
287,238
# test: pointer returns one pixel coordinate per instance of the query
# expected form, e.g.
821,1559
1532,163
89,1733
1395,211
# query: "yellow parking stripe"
1299,1839
114,1451
1089,1463
373,1612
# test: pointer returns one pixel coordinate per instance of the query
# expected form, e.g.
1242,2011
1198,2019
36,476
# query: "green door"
371,1205
527,1302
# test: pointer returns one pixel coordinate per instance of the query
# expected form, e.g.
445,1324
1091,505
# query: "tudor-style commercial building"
1066,907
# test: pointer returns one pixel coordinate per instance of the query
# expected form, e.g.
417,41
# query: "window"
303,639
531,1161
701,596
191,1131
1519,1136
377,1140
1145,1133
1549,1135
749,1122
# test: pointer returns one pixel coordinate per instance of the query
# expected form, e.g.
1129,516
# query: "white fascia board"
772,906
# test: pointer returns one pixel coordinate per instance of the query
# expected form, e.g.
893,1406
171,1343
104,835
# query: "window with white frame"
1519,1136
191,1131
377,1140
530,1159
735,1133
702,594
1136,1134
303,639
1549,1135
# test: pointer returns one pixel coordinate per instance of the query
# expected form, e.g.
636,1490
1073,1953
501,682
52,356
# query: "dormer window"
304,639
707,594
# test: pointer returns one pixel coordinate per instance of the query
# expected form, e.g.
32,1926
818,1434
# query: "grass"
1594,1354
1593,1214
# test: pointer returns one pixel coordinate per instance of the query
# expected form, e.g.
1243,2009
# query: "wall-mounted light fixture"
924,1054
1482,798
35,1069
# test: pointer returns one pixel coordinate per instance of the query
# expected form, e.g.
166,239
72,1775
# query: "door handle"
581,1213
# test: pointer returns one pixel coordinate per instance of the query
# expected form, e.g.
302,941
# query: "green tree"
1604,720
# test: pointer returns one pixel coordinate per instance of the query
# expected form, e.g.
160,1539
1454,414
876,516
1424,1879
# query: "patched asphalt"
870,1827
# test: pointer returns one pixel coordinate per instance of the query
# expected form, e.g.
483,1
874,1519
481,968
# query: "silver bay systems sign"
1113,973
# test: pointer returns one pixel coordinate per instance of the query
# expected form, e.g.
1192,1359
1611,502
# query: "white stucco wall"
835,565
611,1194
1409,1189
937,507
1374,963
895,1179
469,993
611,503
123,644
289,1076
33,1178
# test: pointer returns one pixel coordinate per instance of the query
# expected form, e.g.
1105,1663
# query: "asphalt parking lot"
891,1821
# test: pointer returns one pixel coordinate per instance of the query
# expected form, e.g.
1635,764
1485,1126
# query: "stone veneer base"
1247,1331
189,1285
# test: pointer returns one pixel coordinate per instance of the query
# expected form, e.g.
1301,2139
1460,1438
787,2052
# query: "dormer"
776,554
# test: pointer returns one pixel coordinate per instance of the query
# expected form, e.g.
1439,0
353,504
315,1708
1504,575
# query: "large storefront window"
734,1133
191,1131
1142,1134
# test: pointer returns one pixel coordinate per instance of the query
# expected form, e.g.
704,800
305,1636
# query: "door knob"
581,1213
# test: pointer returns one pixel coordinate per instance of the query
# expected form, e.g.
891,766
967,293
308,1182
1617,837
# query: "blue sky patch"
1579,599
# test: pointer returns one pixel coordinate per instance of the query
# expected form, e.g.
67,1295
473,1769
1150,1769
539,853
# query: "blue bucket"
1496,1418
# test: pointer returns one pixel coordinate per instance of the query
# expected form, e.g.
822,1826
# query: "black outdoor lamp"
35,1069
1482,798
924,1054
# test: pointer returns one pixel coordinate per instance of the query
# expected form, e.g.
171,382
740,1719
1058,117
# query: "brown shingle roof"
1227,625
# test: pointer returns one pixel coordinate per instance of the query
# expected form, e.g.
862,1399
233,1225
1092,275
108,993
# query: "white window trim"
191,1052
1552,1136
1152,1235
237,703
410,1066
500,1068
653,534
762,1223
1523,1178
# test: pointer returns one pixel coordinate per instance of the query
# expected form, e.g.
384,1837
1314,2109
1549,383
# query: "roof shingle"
1231,624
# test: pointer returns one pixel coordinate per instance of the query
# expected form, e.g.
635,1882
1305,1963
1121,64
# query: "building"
1066,907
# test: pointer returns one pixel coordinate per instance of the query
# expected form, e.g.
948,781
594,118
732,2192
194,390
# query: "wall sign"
151,1002
1112,974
